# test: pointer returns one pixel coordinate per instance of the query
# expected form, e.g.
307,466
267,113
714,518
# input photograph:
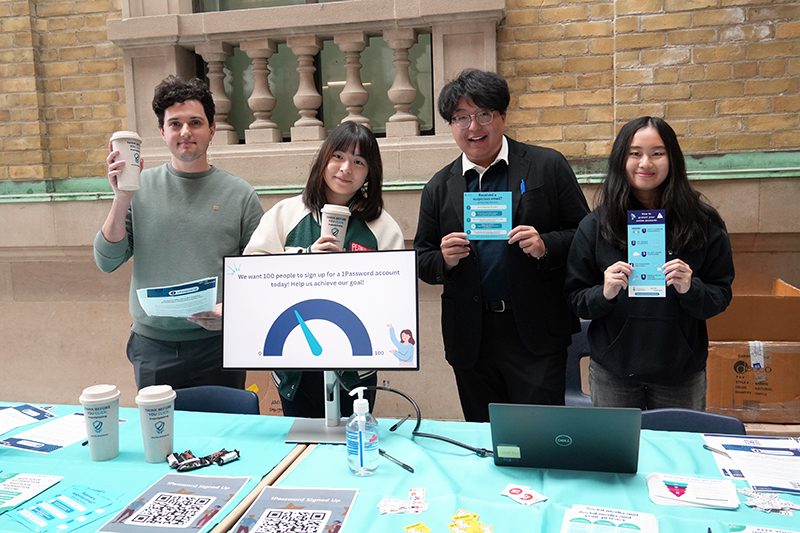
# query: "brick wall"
61,88
724,73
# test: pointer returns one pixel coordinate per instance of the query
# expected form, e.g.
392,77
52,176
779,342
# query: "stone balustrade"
161,39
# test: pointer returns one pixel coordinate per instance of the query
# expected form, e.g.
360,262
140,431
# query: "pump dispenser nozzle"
361,404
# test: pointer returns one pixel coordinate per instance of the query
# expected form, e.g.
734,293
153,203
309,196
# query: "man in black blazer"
505,321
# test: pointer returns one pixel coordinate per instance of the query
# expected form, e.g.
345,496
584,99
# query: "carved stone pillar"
353,96
307,99
402,93
215,54
261,102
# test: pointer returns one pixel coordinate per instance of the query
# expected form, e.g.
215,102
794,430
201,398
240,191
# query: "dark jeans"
506,372
609,390
180,364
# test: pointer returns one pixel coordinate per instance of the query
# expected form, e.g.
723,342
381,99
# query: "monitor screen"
325,311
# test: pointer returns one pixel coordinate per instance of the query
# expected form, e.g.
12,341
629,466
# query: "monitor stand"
328,430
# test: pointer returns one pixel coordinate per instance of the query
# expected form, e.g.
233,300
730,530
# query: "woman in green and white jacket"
347,171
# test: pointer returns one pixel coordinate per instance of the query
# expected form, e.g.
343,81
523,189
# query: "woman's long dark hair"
686,210
365,204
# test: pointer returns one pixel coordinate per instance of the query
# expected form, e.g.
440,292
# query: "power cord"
480,452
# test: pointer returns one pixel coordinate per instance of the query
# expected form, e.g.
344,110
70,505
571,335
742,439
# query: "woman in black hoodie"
649,352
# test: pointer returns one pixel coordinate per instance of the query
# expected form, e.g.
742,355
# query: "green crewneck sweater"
180,225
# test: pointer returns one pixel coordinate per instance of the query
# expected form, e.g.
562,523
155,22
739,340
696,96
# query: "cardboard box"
754,357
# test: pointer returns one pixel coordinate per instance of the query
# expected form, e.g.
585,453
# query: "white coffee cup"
101,412
129,145
334,222
156,414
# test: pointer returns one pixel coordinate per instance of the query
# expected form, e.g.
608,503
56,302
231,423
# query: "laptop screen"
571,438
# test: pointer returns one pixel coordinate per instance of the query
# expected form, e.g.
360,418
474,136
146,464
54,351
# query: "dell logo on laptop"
563,440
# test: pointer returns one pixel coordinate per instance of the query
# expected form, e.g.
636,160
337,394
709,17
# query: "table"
259,439
452,477
456,479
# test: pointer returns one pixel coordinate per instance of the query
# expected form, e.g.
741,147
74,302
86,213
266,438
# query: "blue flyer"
647,253
487,215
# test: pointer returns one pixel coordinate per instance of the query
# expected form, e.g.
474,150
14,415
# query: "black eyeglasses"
481,117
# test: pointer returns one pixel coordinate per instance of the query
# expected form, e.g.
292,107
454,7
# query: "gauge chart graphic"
299,314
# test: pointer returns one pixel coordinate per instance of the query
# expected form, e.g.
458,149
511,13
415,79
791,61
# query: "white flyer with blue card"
647,253
180,300
487,215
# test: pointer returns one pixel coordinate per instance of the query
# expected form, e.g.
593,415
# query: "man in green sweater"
184,218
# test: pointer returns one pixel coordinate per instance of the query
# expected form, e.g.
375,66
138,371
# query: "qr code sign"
166,509
292,521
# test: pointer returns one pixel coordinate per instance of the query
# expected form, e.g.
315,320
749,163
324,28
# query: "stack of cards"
667,489
769,502
415,503
522,494
467,522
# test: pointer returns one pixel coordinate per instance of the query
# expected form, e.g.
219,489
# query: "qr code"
166,509
292,521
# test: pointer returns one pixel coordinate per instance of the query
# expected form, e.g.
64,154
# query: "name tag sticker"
505,451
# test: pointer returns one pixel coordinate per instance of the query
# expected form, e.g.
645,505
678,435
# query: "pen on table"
399,423
709,448
395,461
84,443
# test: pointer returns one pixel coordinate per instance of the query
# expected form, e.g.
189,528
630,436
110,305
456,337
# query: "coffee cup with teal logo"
156,414
101,412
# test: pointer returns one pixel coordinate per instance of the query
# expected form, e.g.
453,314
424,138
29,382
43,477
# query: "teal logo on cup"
159,427
98,426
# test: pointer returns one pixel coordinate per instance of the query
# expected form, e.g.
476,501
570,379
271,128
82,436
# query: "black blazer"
553,204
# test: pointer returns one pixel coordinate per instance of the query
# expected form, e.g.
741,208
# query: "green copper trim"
745,165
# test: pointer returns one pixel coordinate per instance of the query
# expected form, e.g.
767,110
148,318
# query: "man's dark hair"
174,90
487,90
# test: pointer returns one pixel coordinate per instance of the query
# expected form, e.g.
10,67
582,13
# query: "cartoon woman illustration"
405,346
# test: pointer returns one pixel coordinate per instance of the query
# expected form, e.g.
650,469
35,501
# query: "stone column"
215,54
353,96
402,92
262,102
307,99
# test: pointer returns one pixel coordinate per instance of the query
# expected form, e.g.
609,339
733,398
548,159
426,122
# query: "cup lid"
99,393
155,394
336,209
125,135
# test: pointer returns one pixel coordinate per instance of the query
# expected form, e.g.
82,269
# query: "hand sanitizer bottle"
362,437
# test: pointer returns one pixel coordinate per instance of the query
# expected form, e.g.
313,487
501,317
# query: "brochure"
487,215
298,509
647,253
180,300
21,415
668,489
50,436
175,502
582,518
71,509
19,488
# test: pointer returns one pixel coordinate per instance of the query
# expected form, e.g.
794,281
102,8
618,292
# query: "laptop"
600,439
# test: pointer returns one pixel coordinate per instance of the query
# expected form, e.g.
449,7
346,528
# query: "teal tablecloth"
259,439
455,479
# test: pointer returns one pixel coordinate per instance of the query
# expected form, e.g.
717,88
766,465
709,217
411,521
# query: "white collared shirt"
466,164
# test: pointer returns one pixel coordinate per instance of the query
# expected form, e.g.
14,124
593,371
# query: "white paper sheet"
180,301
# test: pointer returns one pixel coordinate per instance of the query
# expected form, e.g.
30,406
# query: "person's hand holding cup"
127,166
334,221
